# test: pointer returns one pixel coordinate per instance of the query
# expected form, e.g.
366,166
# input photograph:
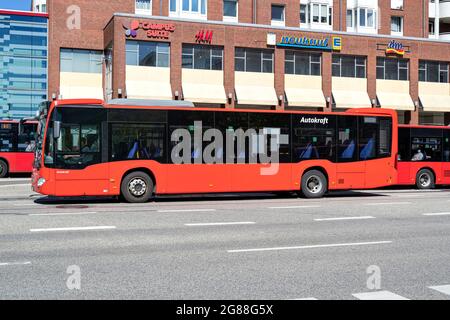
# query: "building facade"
317,55
23,70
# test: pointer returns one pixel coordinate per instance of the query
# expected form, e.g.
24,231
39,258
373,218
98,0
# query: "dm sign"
394,47
333,43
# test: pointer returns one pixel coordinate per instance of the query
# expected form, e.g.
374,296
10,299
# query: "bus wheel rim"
137,187
424,180
314,184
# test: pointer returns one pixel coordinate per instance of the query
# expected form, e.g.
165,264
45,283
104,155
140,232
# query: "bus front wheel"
314,184
137,187
425,179
3,169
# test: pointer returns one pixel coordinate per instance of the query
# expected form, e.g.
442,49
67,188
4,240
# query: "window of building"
143,6
431,27
303,63
202,57
304,13
433,71
230,10
85,61
188,8
397,4
349,66
316,14
367,17
147,53
392,69
254,60
397,25
350,18
277,14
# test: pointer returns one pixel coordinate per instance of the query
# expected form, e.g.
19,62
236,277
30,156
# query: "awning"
77,85
303,97
204,86
394,94
350,93
148,83
437,103
435,96
255,88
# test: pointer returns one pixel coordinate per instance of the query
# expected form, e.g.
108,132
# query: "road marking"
218,223
442,289
437,214
15,185
306,299
294,207
345,218
73,229
312,246
25,204
187,210
378,295
386,203
60,214
2,264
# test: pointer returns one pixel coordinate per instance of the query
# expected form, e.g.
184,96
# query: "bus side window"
447,145
347,139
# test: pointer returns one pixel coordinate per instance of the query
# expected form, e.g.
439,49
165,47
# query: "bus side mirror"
56,129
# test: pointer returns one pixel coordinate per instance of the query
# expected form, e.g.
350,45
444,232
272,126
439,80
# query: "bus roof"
422,126
187,105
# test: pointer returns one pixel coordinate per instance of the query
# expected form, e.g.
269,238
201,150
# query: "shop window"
349,66
84,61
254,60
147,53
202,57
433,71
392,69
303,63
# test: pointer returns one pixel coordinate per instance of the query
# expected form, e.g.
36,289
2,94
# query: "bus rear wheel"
3,169
314,184
137,187
425,179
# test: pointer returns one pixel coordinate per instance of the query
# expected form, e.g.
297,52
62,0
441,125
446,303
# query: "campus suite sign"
153,30
333,43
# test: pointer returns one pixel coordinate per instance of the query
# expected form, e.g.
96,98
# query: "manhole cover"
72,207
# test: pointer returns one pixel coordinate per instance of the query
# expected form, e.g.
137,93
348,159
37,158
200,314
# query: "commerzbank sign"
328,44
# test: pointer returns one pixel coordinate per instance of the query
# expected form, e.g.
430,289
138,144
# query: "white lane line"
386,203
345,218
294,207
3,264
437,214
26,204
60,214
15,185
442,289
218,224
311,247
306,299
378,295
74,229
187,210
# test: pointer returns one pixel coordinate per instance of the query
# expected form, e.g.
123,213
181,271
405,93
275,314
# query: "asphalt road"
388,244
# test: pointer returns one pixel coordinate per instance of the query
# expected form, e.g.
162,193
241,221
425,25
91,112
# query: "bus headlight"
40,182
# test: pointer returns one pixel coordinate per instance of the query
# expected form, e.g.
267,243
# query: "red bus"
132,149
17,146
424,156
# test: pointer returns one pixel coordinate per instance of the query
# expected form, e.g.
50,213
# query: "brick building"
277,54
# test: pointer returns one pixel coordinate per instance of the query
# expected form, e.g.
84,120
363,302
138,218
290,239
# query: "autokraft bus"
136,149
424,156
17,146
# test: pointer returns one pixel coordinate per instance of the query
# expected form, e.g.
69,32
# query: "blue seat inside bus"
367,151
349,151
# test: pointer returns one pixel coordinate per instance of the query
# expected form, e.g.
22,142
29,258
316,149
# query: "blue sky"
15,4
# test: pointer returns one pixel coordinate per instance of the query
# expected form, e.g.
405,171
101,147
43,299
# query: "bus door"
350,171
446,163
375,150
404,157
81,151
